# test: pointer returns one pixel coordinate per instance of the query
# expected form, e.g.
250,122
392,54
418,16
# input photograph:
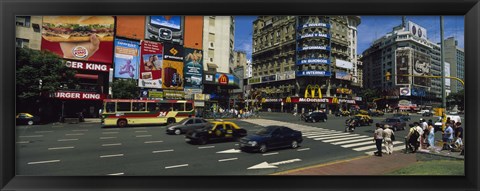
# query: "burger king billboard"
86,38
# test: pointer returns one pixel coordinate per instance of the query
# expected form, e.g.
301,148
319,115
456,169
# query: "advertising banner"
86,38
172,75
269,78
226,79
403,65
165,29
172,94
209,79
421,67
194,32
155,94
151,67
314,48
343,75
193,71
130,26
417,30
313,61
344,91
343,64
79,95
87,66
313,35
313,73
255,80
405,91
173,52
126,58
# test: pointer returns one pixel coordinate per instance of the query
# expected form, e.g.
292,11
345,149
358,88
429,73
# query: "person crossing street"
378,138
388,138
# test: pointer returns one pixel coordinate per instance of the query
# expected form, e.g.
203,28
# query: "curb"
319,165
458,157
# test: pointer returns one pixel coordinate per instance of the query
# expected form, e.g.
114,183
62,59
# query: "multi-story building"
456,57
404,51
358,74
239,60
218,43
28,32
293,55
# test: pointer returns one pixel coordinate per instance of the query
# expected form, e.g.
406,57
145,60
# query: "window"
163,106
22,43
188,106
110,107
152,107
189,122
178,106
199,121
23,21
36,27
228,127
123,106
138,106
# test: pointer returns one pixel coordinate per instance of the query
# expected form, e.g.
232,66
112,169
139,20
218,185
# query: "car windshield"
266,130
183,120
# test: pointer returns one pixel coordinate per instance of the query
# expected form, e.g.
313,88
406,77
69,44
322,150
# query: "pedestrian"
388,138
458,135
423,125
378,138
413,137
447,137
431,135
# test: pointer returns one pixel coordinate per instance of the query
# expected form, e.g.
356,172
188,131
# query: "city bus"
124,112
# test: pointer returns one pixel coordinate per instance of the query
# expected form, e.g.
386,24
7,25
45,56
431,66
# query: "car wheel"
122,123
177,132
294,144
30,122
203,141
263,148
170,121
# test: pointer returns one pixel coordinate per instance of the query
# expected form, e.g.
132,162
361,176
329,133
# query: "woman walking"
431,135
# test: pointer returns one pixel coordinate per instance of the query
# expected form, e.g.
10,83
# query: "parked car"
27,119
427,114
215,131
316,116
403,116
396,123
186,125
362,120
271,137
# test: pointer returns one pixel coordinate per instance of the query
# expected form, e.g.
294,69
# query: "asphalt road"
87,149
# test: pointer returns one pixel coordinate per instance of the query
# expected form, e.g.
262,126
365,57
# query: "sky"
370,29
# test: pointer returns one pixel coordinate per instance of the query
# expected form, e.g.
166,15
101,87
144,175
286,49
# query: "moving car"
271,137
427,114
423,111
342,113
316,116
362,120
27,119
186,125
396,123
375,113
404,116
215,131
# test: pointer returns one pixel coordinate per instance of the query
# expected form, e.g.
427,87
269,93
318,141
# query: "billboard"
403,62
132,27
164,28
151,65
421,67
343,75
172,75
226,79
344,64
193,70
405,91
173,52
193,32
85,38
126,58
417,30
313,73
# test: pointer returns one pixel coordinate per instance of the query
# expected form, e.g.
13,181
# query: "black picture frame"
9,9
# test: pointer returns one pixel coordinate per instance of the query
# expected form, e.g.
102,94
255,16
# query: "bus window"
164,106
188,106
123,106
110,107
138,106
178,107
152,107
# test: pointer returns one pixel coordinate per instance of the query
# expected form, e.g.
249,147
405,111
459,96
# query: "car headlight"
253,143
171,128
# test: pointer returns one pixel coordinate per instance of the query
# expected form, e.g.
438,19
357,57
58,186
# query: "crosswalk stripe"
318,132
342,139
357,144
373,146
334,137
352,141
322,133
383,148
329,135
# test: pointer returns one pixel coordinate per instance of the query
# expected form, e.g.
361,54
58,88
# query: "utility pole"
444,102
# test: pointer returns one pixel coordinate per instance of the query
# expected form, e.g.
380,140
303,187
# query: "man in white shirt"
423,125
378,138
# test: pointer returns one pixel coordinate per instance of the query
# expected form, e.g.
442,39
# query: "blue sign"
313,73
126,59
313,61
314,48
313,35
315,25
418,92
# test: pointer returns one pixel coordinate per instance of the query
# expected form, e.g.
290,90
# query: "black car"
27,119
402,116
316,116
271,137
186,125
395,123
215,131
427,114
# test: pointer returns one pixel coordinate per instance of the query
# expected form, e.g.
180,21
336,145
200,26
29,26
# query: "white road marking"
41,162
116,174
143,136
343,139
74,134
23,142
176,166
272,165
327,135
58,148
147,142
223,160
163,151
67,140
109,132
43,131
352,141
108,137
305,149
141,131
113,144
30,136
373,146
80,130
333,137
357,144
383,149
115,155
206,147
267,154
230,151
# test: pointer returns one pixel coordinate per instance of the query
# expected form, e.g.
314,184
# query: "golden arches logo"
264,100
335,100
223,79
288,100
313,91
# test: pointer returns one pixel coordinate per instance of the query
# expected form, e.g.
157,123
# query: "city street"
88,149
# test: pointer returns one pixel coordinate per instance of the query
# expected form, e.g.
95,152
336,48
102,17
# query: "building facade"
456,57
28,32
294,55
218,43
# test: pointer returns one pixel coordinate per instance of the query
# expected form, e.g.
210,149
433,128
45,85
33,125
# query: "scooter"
350,127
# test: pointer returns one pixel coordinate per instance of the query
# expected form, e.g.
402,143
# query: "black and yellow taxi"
27,119
361,120
215,131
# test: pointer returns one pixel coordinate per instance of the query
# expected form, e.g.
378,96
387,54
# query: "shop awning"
87,76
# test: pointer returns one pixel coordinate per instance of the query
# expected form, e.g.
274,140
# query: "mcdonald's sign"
264,100
223,79
335,100
313,91
288,100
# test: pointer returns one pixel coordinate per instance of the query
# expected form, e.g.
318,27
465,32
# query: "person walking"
458,135
448,137
413,137
431,135
388,138
378,138
423,125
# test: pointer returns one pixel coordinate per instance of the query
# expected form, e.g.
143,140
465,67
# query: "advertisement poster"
172,75
193,71
173,52
131,27
226,79
403,66
405,91
164,29
343,75
421,67
194,32
151,65
126,59
86,38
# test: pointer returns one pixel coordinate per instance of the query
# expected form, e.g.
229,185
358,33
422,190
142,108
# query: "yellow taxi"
216,130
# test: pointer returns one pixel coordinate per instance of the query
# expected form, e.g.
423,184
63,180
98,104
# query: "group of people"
385,136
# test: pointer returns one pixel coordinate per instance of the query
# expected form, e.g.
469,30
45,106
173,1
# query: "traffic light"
387,76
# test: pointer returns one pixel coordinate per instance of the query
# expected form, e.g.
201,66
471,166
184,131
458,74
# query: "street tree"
125,89
457,98
39,73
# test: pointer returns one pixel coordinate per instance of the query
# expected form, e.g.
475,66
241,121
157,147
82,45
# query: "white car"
423,111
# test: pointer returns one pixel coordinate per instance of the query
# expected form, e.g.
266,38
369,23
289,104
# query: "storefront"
219,86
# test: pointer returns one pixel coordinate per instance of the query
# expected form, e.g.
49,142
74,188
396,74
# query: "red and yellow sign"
223,79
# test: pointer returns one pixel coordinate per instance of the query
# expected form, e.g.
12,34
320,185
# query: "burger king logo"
223,79
80,52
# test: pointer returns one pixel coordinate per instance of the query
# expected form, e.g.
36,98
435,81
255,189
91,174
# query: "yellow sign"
313,91
288,100
264,100
335,100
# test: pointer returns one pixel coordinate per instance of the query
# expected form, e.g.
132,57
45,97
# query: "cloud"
244,45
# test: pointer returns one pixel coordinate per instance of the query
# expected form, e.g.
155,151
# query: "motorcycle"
350,126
